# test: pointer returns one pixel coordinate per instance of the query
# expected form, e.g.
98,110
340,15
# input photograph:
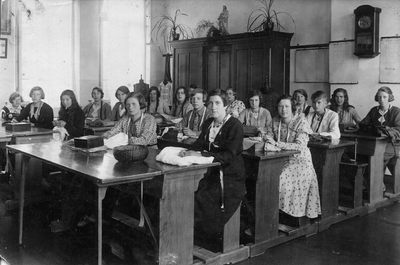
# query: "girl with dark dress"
70,116
38,112
119,110
222,189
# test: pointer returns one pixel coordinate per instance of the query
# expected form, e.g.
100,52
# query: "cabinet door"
280,66
250,68
188,67
218,68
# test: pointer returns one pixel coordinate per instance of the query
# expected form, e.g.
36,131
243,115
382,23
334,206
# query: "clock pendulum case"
367,31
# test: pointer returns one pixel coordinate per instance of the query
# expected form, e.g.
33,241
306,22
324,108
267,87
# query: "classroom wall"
312,24
362,94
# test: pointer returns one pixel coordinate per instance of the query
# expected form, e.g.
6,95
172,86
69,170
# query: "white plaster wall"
362,94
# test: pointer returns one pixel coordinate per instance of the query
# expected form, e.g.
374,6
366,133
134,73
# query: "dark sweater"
75,121
392,121
45,119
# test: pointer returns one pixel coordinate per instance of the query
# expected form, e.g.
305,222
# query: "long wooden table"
326,156
373,148
176,205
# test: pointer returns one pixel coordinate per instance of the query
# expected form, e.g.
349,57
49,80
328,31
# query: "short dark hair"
199,91
218,92
37,88
386,90
231,88
139,97
289,97
99,90
123,89
254,93
13,96
300,91
318,95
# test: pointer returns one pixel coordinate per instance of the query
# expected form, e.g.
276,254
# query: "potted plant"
265,18
207,25
168,29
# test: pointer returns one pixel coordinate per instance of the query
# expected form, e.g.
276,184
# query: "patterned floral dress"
298,185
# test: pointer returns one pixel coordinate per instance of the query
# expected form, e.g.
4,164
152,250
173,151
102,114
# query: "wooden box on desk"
89,141
18,127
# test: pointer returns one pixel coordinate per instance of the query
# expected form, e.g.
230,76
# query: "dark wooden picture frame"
5,17
3,48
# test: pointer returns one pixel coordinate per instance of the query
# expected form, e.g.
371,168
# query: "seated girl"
235,106
97,110
181,105
298,185
154,103
340,104
38,112
70,116
222,189
140,127
301,96
255,115
13,108
119,110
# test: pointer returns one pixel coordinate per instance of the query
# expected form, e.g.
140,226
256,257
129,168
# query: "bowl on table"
130,153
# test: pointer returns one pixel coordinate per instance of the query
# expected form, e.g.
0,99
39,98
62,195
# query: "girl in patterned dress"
298,185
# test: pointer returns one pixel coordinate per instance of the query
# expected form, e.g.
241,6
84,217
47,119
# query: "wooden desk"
176,205
326,156
374,149
265,168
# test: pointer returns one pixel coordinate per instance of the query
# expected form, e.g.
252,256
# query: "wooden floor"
372,239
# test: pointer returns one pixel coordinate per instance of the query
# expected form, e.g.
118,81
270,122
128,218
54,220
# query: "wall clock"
367,31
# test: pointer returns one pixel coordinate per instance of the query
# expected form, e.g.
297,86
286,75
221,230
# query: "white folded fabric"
116,140
169,155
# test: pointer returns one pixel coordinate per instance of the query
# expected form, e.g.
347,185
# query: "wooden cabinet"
244,61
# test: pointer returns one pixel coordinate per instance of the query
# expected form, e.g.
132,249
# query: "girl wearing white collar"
387,118
38,112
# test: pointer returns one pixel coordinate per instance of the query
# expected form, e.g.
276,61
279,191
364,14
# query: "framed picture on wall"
5,16
3,48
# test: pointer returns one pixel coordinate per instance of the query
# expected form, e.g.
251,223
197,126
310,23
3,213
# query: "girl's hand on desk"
14,120
269,139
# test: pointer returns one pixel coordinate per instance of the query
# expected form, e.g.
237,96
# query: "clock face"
365,22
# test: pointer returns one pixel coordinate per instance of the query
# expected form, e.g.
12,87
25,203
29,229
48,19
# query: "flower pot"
268,26
175,36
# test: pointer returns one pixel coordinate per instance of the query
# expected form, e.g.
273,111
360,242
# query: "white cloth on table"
116,140
170,155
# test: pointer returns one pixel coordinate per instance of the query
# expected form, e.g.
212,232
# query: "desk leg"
267,203
101,193
24,171
177,217
376,174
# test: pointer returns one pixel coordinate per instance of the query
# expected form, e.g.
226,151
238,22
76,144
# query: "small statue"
223,21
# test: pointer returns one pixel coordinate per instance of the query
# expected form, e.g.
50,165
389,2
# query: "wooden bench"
354,173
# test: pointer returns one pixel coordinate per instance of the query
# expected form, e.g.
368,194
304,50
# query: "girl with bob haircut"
386,118
70,116
13,107
37,112
300,96
298,184
97,110
140,127
222,189
119,110
340,104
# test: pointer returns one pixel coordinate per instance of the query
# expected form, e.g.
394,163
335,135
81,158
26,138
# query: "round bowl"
130,153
